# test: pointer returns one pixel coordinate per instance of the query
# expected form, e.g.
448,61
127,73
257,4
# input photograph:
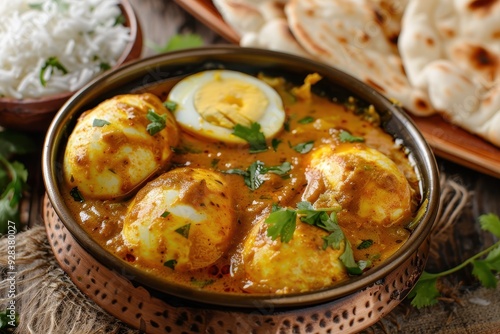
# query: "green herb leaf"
425,292
171,264
253,136
490,222
345,136
275,143
201,283
253,176
104,66
306,120
100,122
51,64
170,105
165,214
178,42
8,321
282,223
13,142
304,148
77,196
158,122
365,244
184,230
14,178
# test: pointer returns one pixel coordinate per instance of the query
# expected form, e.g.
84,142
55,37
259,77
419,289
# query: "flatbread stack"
430,56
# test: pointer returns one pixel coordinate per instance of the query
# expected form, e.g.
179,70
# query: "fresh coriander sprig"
253,136
253,176
13,176
485,265
158,122
283,221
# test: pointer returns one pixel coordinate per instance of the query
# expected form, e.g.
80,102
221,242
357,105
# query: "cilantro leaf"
365,244
170,105
51,64
305,147
425,292
184,230
170,263
282,223
275,143
158,122
77,196
253,136
12,142
100,122
490,222
253,176
306,120
14,180
346,136
178,42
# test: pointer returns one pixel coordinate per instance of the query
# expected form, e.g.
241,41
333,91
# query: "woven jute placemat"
46,300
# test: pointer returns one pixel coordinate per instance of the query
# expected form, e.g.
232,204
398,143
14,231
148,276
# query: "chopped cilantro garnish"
282,223
347,137
485,265
253,136
165,214
170,105
201,284
178,42
100,122
77,196
305,147
274,143
253,175
104,66
365,244
184,230
171,264
51,64
306,120
158,122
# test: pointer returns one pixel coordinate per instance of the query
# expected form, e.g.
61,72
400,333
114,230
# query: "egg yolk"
226,102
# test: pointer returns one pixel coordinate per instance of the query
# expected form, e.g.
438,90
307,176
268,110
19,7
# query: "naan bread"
429,55
451,51
350,35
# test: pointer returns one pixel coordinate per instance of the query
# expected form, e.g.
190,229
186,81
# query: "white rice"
81,34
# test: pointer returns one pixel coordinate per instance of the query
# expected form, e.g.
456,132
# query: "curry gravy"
103,219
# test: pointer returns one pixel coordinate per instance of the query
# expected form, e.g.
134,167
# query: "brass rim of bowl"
148,69
136,40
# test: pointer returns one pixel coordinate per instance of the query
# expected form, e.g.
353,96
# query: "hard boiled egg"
297,266
366,184
184,219
211,103
110,151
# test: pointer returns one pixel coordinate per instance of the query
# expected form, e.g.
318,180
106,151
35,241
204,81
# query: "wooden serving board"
448,141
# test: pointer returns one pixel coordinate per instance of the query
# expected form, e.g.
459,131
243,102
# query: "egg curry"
241,184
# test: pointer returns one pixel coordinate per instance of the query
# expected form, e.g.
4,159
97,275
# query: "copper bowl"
35,114
394,278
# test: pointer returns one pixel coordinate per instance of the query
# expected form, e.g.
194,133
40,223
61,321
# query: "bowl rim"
128,54
53,145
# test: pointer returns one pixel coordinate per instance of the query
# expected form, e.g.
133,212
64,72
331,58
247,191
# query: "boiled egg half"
212,103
